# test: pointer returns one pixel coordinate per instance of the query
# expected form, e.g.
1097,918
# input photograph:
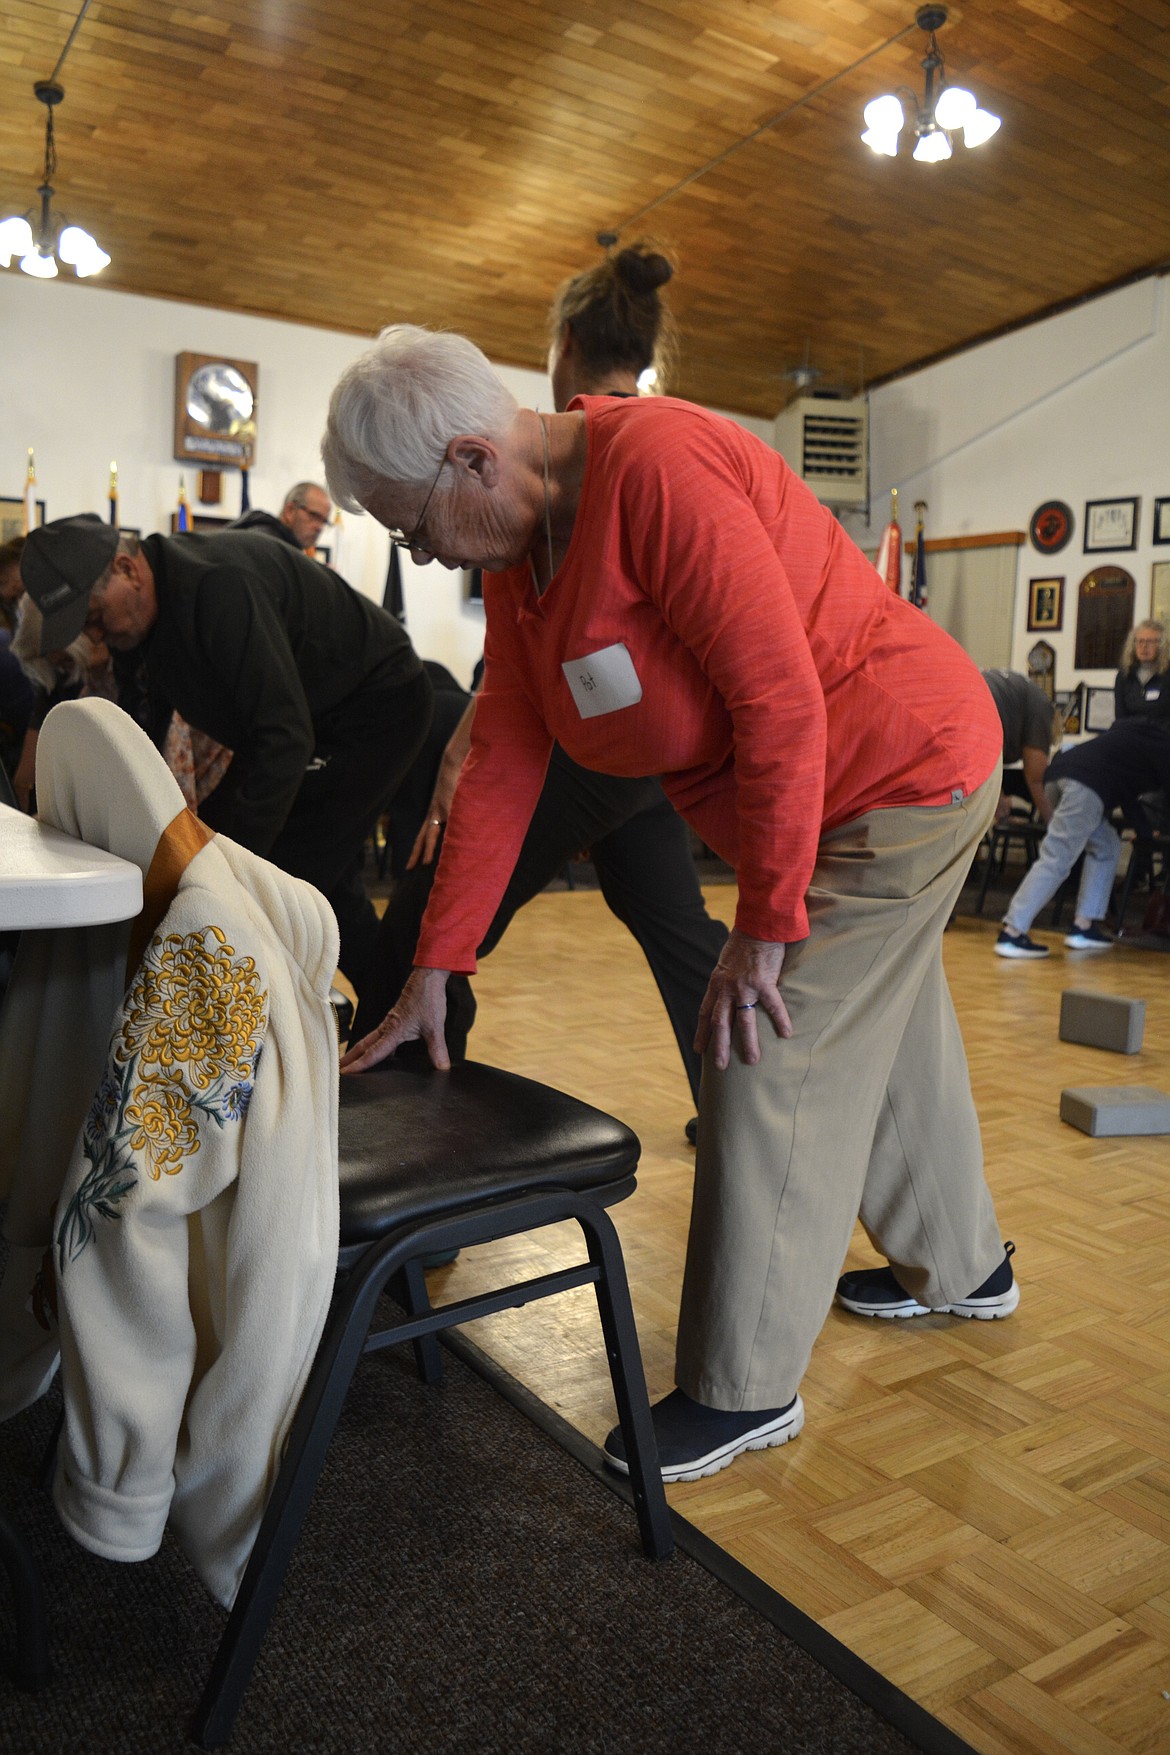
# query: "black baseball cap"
59,566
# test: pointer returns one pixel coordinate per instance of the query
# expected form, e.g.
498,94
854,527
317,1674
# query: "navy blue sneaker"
695,1440
1018,944
875,1292
1088,938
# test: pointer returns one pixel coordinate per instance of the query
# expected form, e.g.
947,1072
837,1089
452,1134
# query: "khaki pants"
866,1110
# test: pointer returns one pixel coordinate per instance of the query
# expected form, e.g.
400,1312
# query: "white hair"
26,647
399,405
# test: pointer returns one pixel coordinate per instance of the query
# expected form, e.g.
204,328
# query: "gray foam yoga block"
1102,1020
1107,1110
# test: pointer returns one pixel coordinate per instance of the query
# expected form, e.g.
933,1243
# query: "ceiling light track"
612,233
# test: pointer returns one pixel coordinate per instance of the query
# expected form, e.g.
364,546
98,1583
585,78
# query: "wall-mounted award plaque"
215,410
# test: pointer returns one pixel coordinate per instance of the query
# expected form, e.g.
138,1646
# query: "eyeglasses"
411,539
317,517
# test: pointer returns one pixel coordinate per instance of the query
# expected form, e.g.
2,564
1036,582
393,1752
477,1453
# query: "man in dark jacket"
1085,783
306,511
316,690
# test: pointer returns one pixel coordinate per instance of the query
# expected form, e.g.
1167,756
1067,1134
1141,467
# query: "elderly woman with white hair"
1141,689
667,597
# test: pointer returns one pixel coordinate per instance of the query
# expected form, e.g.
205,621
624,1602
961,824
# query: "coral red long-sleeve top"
784,688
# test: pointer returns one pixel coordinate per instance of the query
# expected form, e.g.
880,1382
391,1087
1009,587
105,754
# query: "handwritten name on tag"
603,682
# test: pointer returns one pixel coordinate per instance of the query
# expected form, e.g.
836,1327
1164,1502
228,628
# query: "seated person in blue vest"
1086,783
1142,687
306,511
1029,732
317,691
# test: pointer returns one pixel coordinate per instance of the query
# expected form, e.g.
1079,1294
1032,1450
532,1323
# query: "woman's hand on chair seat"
417,1016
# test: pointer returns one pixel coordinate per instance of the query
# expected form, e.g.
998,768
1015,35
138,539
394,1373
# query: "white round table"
49,879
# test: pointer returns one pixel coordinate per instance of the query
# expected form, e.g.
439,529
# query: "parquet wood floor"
980,1510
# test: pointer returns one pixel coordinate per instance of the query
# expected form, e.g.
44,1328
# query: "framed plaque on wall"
1104,617
215,410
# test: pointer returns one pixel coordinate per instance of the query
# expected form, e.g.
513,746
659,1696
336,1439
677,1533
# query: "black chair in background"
432,1162
1149,864
1026,832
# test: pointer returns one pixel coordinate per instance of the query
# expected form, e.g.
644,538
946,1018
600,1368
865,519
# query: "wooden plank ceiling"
449,162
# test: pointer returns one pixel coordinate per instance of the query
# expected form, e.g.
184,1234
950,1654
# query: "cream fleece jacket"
193,1237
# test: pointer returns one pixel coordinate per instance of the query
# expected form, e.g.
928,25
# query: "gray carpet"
463,1585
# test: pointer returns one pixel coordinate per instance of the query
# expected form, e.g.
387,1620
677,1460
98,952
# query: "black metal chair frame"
1028,831
1144,849
367,1272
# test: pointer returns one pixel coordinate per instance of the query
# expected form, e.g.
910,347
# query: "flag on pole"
245,496
335,562
183,521
114,495
30,495
889,556
392,598
918,594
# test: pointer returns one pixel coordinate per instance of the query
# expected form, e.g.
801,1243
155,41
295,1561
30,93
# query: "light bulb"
884,115
932,147
647,380
955,108
94,260
16,238
877,141
39,266
74,244
980,128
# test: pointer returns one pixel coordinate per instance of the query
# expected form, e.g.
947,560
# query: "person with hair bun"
664,595
607,325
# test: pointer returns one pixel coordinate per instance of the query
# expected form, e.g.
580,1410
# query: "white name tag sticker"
603,682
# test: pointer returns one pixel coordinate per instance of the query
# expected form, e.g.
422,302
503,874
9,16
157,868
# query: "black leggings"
641,853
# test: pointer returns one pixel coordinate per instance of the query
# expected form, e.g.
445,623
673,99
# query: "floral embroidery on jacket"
188,1047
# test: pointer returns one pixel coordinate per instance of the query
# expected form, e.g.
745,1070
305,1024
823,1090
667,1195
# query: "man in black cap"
316,690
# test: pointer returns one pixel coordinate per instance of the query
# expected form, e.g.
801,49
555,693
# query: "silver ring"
749,1006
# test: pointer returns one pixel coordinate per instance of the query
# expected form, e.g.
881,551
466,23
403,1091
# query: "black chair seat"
416,1144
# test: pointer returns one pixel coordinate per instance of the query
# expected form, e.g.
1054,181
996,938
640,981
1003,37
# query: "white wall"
1075,408
89,377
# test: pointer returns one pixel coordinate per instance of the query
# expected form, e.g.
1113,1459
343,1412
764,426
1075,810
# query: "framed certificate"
1161,533
1110,524
1160,593
1099,709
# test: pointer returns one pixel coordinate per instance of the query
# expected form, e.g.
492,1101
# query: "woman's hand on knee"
745,982
418,1015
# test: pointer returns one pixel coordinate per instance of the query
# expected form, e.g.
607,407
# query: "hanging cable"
85,5
756,132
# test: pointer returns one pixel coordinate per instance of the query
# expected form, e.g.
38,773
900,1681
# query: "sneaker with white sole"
695,1440
876,1292
1088,938
1018,944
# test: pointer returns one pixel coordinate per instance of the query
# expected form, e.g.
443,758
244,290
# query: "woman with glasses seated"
1142,687
668,598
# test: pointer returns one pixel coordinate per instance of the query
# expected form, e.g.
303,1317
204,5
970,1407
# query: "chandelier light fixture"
946,110
40,239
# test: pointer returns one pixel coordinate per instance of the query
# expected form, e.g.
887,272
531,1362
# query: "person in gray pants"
1085,784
